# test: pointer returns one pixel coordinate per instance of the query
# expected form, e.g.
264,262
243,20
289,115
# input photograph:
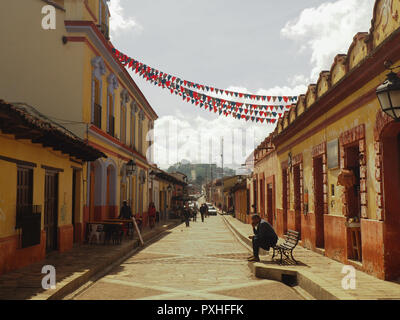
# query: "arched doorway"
111,190
97,175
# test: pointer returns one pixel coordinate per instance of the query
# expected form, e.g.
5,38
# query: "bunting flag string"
239,110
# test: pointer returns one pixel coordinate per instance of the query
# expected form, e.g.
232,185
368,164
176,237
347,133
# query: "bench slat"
282,246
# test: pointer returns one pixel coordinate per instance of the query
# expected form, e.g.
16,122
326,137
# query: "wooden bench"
291,240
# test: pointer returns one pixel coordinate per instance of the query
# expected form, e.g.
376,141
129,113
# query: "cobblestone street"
203,262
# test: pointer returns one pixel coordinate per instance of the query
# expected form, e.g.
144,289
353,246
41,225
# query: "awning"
25,122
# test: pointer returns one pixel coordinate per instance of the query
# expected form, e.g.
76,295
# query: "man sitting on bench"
264,237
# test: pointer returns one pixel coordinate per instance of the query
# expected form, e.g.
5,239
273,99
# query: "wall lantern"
389,94
131,168
240,180
169,188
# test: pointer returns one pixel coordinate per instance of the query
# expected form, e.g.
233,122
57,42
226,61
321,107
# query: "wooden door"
297,196
319,201
76,202
73,221
262,198
92,190
284,199
51,210
270,204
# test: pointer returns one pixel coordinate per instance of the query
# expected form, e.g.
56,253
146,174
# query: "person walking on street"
264,237
203,211
152,215
194,214
186,215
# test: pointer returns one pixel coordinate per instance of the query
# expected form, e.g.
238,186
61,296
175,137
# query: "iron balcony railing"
111,126
97,115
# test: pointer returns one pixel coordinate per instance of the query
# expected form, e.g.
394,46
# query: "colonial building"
41,166
164,187
71,74
241,198
179,191
331,168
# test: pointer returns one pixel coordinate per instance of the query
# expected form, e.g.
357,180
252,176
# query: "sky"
256,46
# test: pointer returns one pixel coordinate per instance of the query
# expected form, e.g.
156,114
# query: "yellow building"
41,179
71,75
334,162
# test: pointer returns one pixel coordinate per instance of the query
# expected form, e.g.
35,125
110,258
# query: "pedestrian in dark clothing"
194,214
203,211
186,216
264,237
125,212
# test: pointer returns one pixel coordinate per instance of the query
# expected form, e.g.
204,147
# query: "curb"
315,286
99,269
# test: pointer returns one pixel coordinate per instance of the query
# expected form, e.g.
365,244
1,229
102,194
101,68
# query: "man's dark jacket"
265,234
125,213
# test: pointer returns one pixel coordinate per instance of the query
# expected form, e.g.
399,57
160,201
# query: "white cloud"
178,138
322,32
119,21
328,30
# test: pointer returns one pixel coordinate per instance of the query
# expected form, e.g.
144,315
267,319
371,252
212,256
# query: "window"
123,116
96,119
110,114
150,137
112,86
123,124
133,125
141,119
104,18
24,193
99,69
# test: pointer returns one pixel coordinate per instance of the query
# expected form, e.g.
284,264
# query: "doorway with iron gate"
51,210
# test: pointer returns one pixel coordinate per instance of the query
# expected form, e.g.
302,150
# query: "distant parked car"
211,210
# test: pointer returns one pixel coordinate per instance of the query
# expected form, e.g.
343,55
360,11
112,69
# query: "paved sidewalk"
202,262
318,275
73,268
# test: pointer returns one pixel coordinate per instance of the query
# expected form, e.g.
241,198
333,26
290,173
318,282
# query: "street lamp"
131,167
389,95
